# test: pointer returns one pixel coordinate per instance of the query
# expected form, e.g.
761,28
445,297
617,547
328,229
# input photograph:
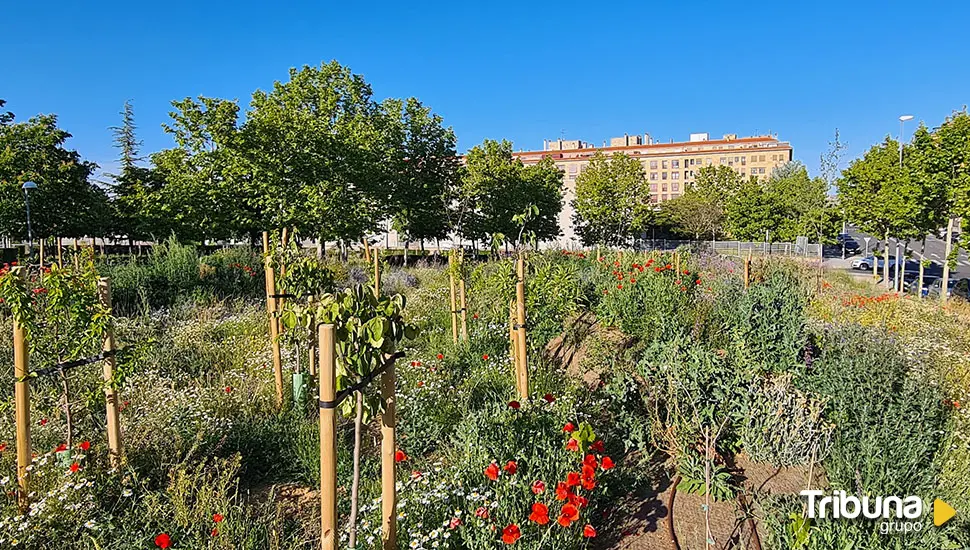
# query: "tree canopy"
612,204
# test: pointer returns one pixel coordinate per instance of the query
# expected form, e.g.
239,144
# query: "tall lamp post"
29,186
901,269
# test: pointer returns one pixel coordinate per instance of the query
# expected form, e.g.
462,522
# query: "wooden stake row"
21,360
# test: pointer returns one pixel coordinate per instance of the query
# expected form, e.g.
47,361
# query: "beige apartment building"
669,167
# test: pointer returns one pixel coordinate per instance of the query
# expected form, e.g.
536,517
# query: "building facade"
669,167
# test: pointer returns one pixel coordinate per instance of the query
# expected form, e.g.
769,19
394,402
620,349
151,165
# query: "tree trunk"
355,485
885,265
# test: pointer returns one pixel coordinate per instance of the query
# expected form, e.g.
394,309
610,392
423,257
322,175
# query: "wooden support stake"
22,407
312,363
747,270
388,449
366,251
110,396
522,368
328,439
676,263
60,252
42,253
461,294
265,242
513,347
454,300
377,272
77,251
274,327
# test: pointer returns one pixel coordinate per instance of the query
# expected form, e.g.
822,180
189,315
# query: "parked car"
959,288
928,281
851,245
865,264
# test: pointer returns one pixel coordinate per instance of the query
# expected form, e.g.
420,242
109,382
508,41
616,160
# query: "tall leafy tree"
701,210
612,204
205,192
66,203
424,169
496,189
881,197
315,154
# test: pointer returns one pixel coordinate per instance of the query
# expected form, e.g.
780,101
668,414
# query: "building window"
653,187
675,187
653,176
774,157
663,164
708,161
572,168
744,160
675,175
653,165
761,170
663,176
688,173
664,188
761,158
675,164
654,198
691,162
723,160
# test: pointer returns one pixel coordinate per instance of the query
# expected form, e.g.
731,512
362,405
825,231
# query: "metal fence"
800,248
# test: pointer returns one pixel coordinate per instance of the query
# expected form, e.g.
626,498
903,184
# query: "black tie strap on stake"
61,367
517,326
282,296
364,382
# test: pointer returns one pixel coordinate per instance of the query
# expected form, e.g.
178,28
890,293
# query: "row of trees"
317,153
907,193
613,204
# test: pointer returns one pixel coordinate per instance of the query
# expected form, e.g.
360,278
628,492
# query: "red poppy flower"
420,383
578,501
492,471
485,357
61,447
43,421
572,445
215,532
85,445
698,281
548,398
590,460
441,356
569,514
589,477
474,316
607,463
75,467
511,467
515,405
668,266
657,269
597,446
563,491
228,389
217,517
569,427
683,288
400,456
511,534
481,512
3,447
572,479
589,532
606,291
540,513
538,487
454,523
163,540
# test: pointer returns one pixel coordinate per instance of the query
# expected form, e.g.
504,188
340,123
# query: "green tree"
612,202
133,185
205,191
881,197
66,202
753,210
315,154
701,210
496,188
424,169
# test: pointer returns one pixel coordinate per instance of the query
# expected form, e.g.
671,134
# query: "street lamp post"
28,186
902,120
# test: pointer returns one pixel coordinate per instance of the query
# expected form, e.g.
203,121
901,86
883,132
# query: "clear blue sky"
518,70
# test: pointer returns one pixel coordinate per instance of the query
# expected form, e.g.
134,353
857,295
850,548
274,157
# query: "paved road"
935,251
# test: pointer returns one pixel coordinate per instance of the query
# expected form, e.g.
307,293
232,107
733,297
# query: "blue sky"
516,70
